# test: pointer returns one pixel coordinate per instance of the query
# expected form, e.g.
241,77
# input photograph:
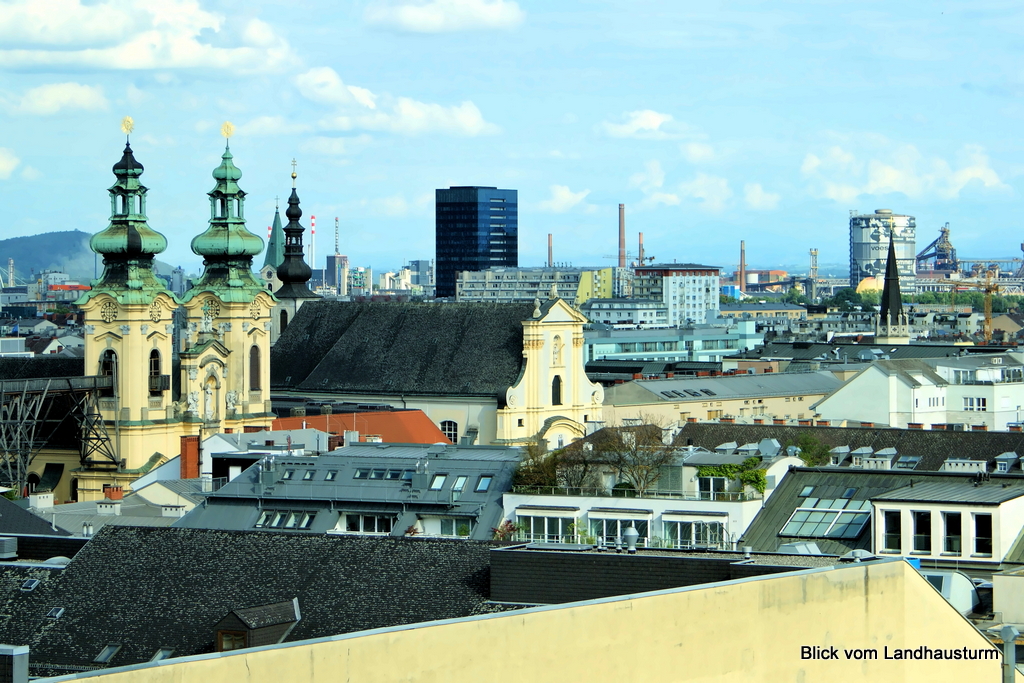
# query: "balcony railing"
725,496
610,543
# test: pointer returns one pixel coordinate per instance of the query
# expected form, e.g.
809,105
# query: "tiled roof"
934,446
153,588
402,426
401,348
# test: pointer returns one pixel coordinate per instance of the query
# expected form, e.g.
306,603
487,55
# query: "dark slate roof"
149,588
956,492
401,348
830,482
269,615
15,519
933,446
41,367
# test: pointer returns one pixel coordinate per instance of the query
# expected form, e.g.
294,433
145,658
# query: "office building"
523,285
476,228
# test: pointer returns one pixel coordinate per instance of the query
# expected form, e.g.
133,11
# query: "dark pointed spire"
891,312
275,246
294,272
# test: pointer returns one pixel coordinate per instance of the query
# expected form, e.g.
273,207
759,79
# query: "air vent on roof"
29,585
55,613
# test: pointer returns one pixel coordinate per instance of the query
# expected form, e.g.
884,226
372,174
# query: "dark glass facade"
477,228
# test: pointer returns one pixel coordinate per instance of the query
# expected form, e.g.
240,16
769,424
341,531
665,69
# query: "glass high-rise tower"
477,228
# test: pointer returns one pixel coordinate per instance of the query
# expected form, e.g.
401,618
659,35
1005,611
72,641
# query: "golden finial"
127,125
228,129
294,174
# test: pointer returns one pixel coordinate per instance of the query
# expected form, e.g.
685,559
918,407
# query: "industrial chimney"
743,266
551,256
640,255
622,235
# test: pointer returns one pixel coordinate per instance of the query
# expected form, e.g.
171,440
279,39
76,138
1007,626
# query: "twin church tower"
198,362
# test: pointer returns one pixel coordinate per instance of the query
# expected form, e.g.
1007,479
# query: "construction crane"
990,287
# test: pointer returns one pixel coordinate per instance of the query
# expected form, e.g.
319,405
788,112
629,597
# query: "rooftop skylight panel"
331,475
460,483
437,483
308,475
708,392
362,474
407,475
377,474
484,483
162,653
55,613
393,475
849,493
107,653
806,491
307,520
288,474
29,585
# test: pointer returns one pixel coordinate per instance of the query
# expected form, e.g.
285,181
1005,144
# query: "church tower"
293,271
275,254
892,327
128,336
225,372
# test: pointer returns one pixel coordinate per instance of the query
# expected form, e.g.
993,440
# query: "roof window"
288,475
460,482
437,483
708,392
362,474
848,493
393,475
806,491
308,475
377,474
331,475
484,483
29,585
407,475
55,613
162,653
107,653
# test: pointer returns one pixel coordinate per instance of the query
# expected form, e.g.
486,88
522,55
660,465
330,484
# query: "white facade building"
688,290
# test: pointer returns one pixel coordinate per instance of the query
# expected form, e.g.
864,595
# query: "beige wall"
737,631
791,407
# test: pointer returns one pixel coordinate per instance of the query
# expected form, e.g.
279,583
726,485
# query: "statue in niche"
193,402
231,398
209,402
209,313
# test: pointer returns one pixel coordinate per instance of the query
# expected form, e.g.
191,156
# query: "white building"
981,392
688,290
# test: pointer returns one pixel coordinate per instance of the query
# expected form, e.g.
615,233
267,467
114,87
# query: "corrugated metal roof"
735,386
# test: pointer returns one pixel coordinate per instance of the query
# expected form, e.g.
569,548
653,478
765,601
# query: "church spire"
227,247
275,247
128,244
892,302
294,272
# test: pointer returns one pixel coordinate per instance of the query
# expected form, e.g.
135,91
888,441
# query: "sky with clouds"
713,122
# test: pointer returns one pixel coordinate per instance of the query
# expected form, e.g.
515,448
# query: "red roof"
403,426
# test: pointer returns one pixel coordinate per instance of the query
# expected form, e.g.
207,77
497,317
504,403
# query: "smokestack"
622,235
640,255
743,266
551,253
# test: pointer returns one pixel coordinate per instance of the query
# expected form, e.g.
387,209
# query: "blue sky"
713,122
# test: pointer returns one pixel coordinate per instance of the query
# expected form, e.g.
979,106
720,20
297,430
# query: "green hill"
64,251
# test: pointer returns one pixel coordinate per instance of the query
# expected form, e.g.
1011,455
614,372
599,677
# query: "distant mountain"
68,252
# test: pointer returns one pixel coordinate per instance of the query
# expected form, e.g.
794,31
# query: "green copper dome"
128,244
227,247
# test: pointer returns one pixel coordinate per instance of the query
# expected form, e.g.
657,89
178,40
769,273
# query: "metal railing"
611,542
600,492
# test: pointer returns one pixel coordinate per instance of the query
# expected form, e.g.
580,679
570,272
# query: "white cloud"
271,125
645,124
8,162
126,35
563,199
712,191
30,173
697,152
444,16
649,181
360,109
880,167
756,197
53,97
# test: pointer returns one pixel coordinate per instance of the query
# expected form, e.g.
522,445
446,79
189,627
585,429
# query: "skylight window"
288,474
393,475
308,475
407,475
849,493
162,653
55,613
806,491
827,519
362,474
29,585
708,392
377,474
107,653
484,483
460,483
437,483
331,475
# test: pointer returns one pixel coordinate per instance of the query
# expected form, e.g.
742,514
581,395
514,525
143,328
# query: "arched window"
284,320
556,391
451,430
254,368
556,350
154,373
108,368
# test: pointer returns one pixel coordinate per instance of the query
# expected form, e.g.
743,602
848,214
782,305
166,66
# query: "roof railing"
600,492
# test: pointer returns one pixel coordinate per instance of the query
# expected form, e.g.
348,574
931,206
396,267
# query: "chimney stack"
640,255
743,266
551,253
622,235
